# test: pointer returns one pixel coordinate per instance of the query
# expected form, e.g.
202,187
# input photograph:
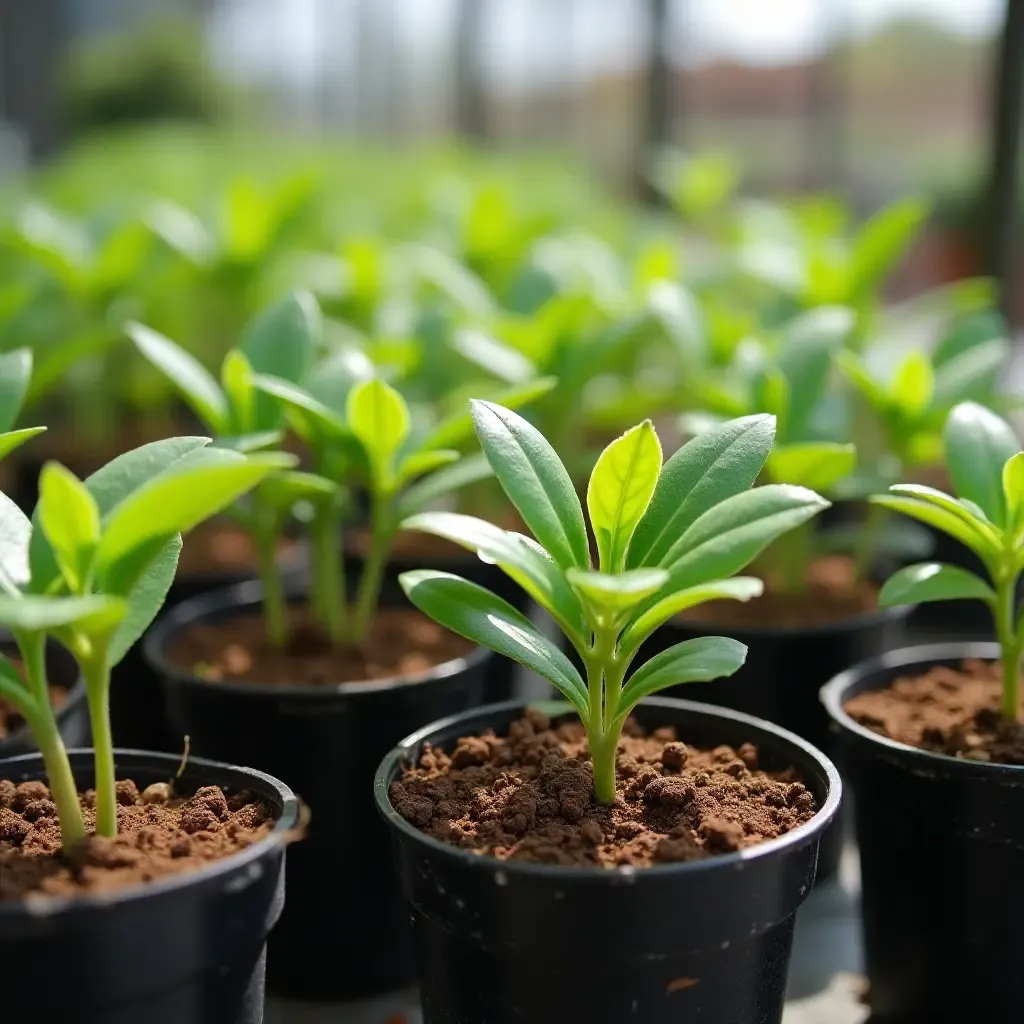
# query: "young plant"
668,537
368,445
92,569
986,466
279,341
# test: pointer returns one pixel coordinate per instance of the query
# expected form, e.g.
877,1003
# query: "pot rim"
923,656
241,596
612,876
206,877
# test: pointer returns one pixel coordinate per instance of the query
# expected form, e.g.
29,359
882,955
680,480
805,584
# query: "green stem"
96,670
368,590
1010,643
328,581
43,723
870,535
794,551
275,606
604,684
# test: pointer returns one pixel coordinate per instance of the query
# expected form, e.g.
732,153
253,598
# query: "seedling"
986,466
280,341
92,569
668,538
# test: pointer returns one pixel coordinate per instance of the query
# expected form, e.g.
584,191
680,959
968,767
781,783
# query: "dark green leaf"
146,599
933,581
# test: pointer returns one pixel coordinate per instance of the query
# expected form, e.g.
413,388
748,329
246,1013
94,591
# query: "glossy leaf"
320,418
70,518
535,480
145,600
978,443
15,374
729,536
483,617
196,385
1013,490
739,588
15,536
692,661
720,463
615,593
14,439
378,416
933,581
819,465
620,489
35,612
941,519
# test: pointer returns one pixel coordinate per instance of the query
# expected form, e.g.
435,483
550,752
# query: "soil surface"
11,718
528,796
948,711
402,642
217,546
158,835
833,594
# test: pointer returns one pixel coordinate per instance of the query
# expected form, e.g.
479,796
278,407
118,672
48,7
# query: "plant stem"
1009,641
604,684
43,723
96,670
275,606
867,546
368,590
795,551
327,586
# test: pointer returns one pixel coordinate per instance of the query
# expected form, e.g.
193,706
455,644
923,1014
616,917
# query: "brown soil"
402,642
529,797
833,594
157,836
218,546
11,718
948,711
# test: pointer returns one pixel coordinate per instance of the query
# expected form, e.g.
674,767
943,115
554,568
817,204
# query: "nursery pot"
73,716
780,680
187,949
502,671
941,850
500,942
345,932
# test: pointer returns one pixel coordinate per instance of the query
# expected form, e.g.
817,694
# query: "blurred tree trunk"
657,115
471,120
32,35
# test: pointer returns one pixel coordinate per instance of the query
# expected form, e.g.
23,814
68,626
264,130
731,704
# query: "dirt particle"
39,809
157,793
127,793
674,755
27,793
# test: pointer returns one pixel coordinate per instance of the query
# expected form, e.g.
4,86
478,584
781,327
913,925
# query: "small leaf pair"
668,536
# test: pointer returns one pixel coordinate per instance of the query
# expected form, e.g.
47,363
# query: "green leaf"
455,430
872,390
942,519
692,661
196,385
110,485
378,416
420,463
971,375
70,518
15,536
819,465
536,482
978,444
145,600
279,342
320,420
443,481
236,380
286,489
615,593
15,374
719,463
933,581
1013,490
729,536
483,617
913,384
14,439
35,612
492,356
530,568
740,588
883,239
679,315
620,490
180,499
254,442
13,688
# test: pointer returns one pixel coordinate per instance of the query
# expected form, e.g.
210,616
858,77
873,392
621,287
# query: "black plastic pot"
189,949
784,670
504,942
345,932
501,671
942,851
73,717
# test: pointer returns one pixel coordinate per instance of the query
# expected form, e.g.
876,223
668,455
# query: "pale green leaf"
70,518
933,581
378,416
